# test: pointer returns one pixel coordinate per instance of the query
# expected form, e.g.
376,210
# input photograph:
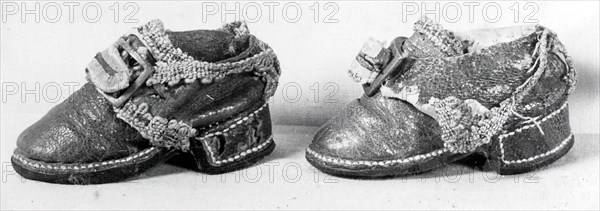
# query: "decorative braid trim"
526,127
385,163
441,37
155,38
144,154
361,70
190,71
436,153
131,159
466,125
174,65
158,130
439,152
464,131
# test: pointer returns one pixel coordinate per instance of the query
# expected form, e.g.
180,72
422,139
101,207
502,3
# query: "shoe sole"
381,168
89,173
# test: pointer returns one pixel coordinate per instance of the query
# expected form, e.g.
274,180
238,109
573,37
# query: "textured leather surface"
242,137
385,128
85,129
200,104
545,98
81,129
531,142
214,47
489,76
551,90
378,128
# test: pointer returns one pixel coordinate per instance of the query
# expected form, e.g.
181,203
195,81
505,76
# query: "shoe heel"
241,144
527,147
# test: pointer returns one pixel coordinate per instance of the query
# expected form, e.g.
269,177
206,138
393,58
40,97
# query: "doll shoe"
155,94
435,98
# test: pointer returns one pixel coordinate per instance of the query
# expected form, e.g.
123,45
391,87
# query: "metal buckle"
397,66
147,73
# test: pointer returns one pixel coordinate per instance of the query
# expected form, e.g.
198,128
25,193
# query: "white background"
314,56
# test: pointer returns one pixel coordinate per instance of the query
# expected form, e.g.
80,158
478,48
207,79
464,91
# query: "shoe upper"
180,103
378,128
81,129
450,98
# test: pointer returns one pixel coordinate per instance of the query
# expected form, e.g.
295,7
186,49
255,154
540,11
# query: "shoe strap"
374,64
166,64
107,69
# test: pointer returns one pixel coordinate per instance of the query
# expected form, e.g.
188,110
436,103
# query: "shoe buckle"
145,75
397,65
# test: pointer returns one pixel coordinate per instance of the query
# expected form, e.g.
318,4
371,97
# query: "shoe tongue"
213,46
208,45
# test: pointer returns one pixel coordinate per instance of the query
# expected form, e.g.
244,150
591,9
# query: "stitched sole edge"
381,168
90,173
123,168
422,163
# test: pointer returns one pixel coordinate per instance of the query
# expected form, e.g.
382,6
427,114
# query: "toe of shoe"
75,132
362,132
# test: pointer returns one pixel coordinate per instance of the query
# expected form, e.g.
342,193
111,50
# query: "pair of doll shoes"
155,94
431,99
436,98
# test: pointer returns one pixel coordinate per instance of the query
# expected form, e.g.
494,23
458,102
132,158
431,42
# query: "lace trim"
174,65
189,71
441,37
367,65
463,130
158,130
465,125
